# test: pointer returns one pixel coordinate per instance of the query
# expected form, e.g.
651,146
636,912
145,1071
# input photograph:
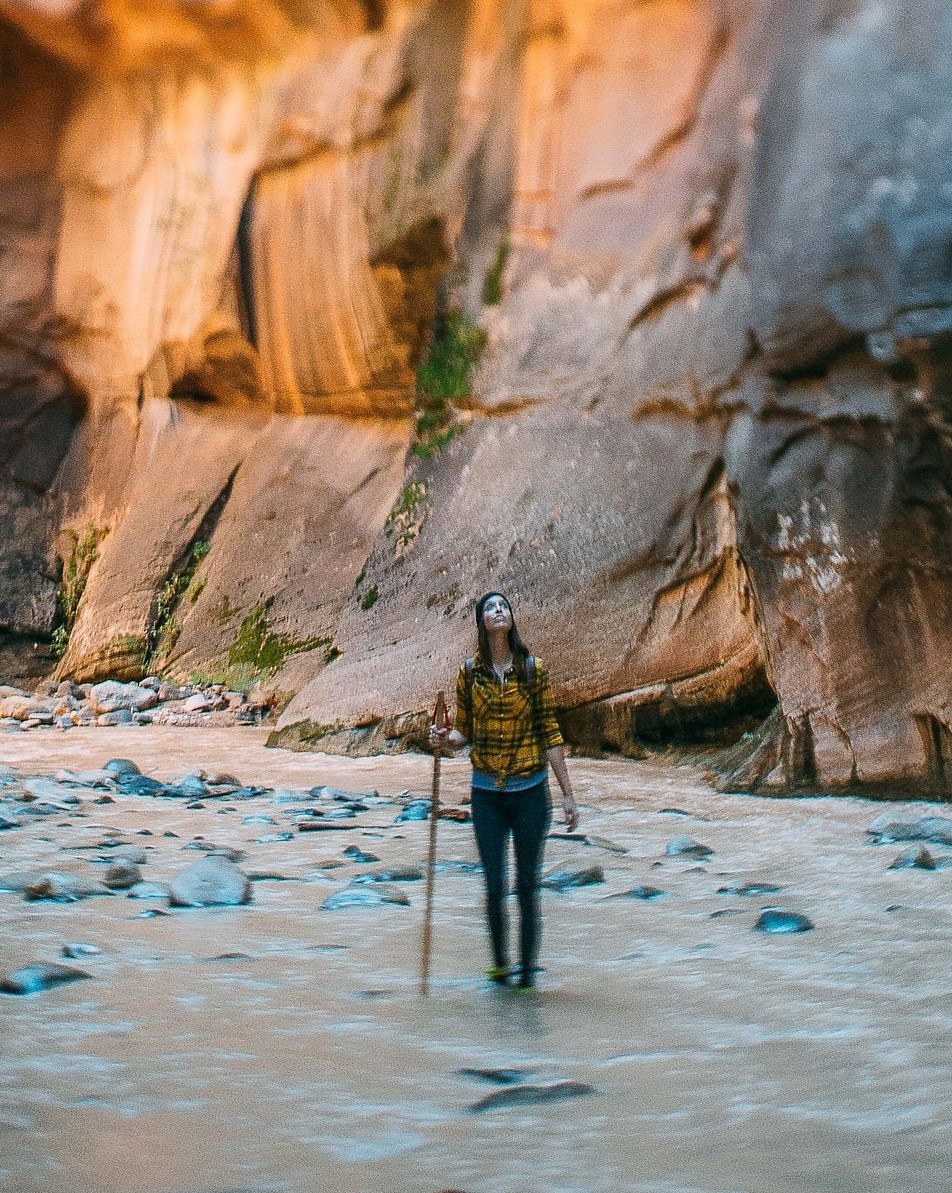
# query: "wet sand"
723,1060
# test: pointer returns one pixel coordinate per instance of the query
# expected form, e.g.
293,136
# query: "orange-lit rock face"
706,436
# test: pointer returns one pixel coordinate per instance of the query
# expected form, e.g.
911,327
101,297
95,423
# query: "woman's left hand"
571,813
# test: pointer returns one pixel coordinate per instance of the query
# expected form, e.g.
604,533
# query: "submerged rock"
371,895
647,893
777,921
148,890
886,831
79,949
915,857
531,1095
749,888
687,847
355,853
212,882
563,880
56,887
132,783
391,874
343,797
419,809
496,1076
31,979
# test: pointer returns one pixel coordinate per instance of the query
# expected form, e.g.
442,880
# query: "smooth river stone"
31,979
687,847
371,895
212,882
55,887
391,874
80,949
749,888
646,893
356,854
563,880
778,922
530,1095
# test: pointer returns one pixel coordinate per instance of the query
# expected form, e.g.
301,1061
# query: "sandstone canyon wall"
705,445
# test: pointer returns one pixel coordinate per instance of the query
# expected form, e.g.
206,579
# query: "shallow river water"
279,1048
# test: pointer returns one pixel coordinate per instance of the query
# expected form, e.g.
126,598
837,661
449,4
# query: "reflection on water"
282,1049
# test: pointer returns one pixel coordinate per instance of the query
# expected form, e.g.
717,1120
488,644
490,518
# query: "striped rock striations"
700,249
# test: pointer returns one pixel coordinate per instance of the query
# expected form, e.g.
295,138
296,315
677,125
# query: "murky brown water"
723,1060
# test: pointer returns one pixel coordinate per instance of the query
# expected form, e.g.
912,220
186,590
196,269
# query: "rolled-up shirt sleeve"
546,725
464,711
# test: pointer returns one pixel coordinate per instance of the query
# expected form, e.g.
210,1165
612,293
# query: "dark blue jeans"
527,816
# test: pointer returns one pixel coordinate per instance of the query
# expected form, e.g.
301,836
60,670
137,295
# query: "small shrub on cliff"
443,379
258,651
492,286
83,551
165,629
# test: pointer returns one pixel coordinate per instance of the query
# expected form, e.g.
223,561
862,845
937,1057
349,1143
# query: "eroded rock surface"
706,445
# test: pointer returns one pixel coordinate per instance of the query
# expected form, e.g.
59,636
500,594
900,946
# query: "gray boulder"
212,882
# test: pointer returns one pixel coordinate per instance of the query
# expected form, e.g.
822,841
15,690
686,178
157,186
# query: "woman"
504,708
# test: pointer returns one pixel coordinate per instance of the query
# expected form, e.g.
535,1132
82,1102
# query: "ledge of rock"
694,256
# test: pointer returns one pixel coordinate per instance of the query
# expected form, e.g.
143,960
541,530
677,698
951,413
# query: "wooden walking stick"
440,721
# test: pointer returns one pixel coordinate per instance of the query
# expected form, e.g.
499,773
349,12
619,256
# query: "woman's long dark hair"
517,647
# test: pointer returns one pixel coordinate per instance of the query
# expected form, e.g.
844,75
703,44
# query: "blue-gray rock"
272,838
190,786
118,767
496,1076
531,1095
109,720
6,822
749,888
776,921
647,893
212,882
915,857
687,847
342,797
148,890
79,949
563,880
419,809
391,874
371,895
458,867
259,818
131,783
355,853
248,792
31,979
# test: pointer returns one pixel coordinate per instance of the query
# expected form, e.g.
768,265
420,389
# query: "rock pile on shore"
151,701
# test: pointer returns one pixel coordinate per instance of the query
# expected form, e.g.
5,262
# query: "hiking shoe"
498,974
524,988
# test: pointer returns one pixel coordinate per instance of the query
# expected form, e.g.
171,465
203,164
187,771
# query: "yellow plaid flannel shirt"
508,727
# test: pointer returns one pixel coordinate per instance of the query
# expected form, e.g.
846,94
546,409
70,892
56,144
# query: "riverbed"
281,1048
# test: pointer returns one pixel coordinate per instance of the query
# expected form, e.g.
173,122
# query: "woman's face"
496,614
